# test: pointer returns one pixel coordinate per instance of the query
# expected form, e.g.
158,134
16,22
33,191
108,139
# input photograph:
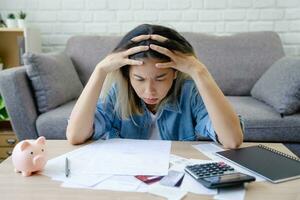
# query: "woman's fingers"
162,50
165,65
131,51
136,49
140,38
158,38
132,62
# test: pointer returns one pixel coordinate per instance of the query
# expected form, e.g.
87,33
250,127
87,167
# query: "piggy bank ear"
24,145
41,140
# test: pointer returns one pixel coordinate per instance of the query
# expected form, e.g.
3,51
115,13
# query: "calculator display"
225,178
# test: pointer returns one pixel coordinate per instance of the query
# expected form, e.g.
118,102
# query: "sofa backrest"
236,61
87,51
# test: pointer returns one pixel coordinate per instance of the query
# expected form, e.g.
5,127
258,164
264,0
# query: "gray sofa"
236,62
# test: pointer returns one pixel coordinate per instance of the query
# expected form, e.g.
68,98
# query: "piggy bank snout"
39,160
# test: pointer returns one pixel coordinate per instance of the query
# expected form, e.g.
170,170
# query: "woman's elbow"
235,142
73,141
233,145
72,137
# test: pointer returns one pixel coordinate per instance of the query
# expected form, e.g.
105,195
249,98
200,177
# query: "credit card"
149,179
173,179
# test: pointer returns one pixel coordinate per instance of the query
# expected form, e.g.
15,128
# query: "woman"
155,88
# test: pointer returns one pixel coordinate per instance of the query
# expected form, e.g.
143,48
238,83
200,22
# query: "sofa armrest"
16,91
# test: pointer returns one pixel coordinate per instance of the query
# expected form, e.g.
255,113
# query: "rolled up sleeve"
205,128
104,118
99,126
204,125
242,123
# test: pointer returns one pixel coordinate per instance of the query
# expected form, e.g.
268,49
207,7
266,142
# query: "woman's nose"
150,88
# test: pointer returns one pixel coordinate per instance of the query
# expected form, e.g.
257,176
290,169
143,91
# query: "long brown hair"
127,101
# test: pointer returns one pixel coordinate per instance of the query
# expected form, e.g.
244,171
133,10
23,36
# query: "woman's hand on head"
117,60
188,64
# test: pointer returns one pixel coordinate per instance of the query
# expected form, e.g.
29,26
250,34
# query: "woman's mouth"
150,100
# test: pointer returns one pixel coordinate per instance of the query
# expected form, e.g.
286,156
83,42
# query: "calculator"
217,175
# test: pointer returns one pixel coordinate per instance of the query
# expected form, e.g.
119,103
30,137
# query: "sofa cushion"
279,86
237,61
263,123
87,51
53,124
53,78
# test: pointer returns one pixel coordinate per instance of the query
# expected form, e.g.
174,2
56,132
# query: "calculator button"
210,169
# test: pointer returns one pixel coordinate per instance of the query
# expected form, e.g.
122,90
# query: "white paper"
129,157
98,165
175,160
119,183
208,148
237,193
143,187
114,183
77,159
210,151
83,179
171,193
54,167
115,156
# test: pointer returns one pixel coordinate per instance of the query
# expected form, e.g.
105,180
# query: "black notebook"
269,163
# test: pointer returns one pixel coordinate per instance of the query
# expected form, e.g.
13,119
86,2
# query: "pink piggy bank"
29,156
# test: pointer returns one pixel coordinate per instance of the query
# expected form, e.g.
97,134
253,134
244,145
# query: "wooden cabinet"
7,140
14,42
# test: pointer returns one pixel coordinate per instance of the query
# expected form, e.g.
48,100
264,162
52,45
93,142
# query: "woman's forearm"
80,125
224,119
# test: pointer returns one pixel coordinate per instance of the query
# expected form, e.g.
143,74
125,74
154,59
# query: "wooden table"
14,186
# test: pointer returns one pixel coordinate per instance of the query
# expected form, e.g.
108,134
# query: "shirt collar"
172,104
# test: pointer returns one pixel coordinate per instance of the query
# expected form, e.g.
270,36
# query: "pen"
67,170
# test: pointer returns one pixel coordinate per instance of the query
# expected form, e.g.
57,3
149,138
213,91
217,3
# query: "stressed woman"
153,86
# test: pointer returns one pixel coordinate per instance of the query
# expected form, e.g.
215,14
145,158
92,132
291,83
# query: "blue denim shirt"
185,118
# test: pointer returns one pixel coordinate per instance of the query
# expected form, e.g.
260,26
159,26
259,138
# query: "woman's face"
151,84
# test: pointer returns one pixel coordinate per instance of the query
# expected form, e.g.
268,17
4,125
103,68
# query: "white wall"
60,19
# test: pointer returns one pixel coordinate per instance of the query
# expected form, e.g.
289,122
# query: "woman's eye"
160,79
140,79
